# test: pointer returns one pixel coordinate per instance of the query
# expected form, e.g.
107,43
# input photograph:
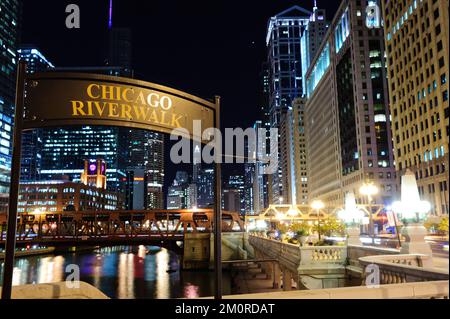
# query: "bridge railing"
323,255
293,256
403,269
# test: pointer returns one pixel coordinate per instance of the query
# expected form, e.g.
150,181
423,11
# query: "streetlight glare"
368,189
317,204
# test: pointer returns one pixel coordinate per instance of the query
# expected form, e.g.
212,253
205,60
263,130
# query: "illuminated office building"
32,139
285,80
62,195
417,33
312,38
205,188
65,148
347,120
9,36
182,194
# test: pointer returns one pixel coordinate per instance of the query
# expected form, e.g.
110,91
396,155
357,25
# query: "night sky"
206,48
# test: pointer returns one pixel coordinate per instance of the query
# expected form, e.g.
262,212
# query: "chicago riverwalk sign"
65,99
60,99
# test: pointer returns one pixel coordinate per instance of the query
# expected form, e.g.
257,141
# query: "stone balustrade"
403,269
332,266
323,255
418,290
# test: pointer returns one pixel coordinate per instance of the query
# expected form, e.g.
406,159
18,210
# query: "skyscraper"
236,184
299,161
348,129
143,149
205,188
285,75
182,194
417,48
9,38
65,150
312,38
32,141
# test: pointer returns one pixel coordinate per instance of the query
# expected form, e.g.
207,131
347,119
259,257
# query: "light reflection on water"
121,272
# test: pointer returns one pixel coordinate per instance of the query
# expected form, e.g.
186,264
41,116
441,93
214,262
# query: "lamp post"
369,190
412,212
317,205
352,217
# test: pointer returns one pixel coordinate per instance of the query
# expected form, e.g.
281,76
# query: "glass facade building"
9,37
32,141
285,75
347,118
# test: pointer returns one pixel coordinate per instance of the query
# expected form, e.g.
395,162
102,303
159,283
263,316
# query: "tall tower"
9,35
32,141
94,173
347,120
417,36
142,149
285,75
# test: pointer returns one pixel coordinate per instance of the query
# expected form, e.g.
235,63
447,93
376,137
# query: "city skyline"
289,149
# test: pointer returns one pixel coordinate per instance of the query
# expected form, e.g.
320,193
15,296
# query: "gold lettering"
141,98
153,117
113,112
100,108
89,91
175,120
125,95
89,107
108,92
153,102
126,112
140,112
163,119
77,107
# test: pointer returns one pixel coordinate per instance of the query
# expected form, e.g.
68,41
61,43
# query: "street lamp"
293,213
352,217
369,190
412,212
317,205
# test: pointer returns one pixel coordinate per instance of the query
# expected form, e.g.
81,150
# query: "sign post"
218,214
65,99
10,246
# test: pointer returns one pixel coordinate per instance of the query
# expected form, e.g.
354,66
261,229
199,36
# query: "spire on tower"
110,14
315,6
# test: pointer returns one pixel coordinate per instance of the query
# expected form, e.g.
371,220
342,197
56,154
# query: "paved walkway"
441,263
251,280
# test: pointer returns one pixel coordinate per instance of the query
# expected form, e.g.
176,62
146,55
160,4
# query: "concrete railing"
404,269
323,255
418,290
355,252
57,291
287,254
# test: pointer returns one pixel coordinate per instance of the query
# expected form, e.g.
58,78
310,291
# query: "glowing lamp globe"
411,208
351,214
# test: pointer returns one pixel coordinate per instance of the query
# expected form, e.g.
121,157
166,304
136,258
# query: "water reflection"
121,272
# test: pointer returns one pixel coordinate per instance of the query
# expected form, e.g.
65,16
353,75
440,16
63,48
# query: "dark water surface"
123,272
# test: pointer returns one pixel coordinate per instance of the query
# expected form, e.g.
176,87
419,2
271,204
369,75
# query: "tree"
443,226
300,229
330,226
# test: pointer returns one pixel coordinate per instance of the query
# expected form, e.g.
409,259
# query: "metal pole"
10,245
397,230
372,226
218,212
